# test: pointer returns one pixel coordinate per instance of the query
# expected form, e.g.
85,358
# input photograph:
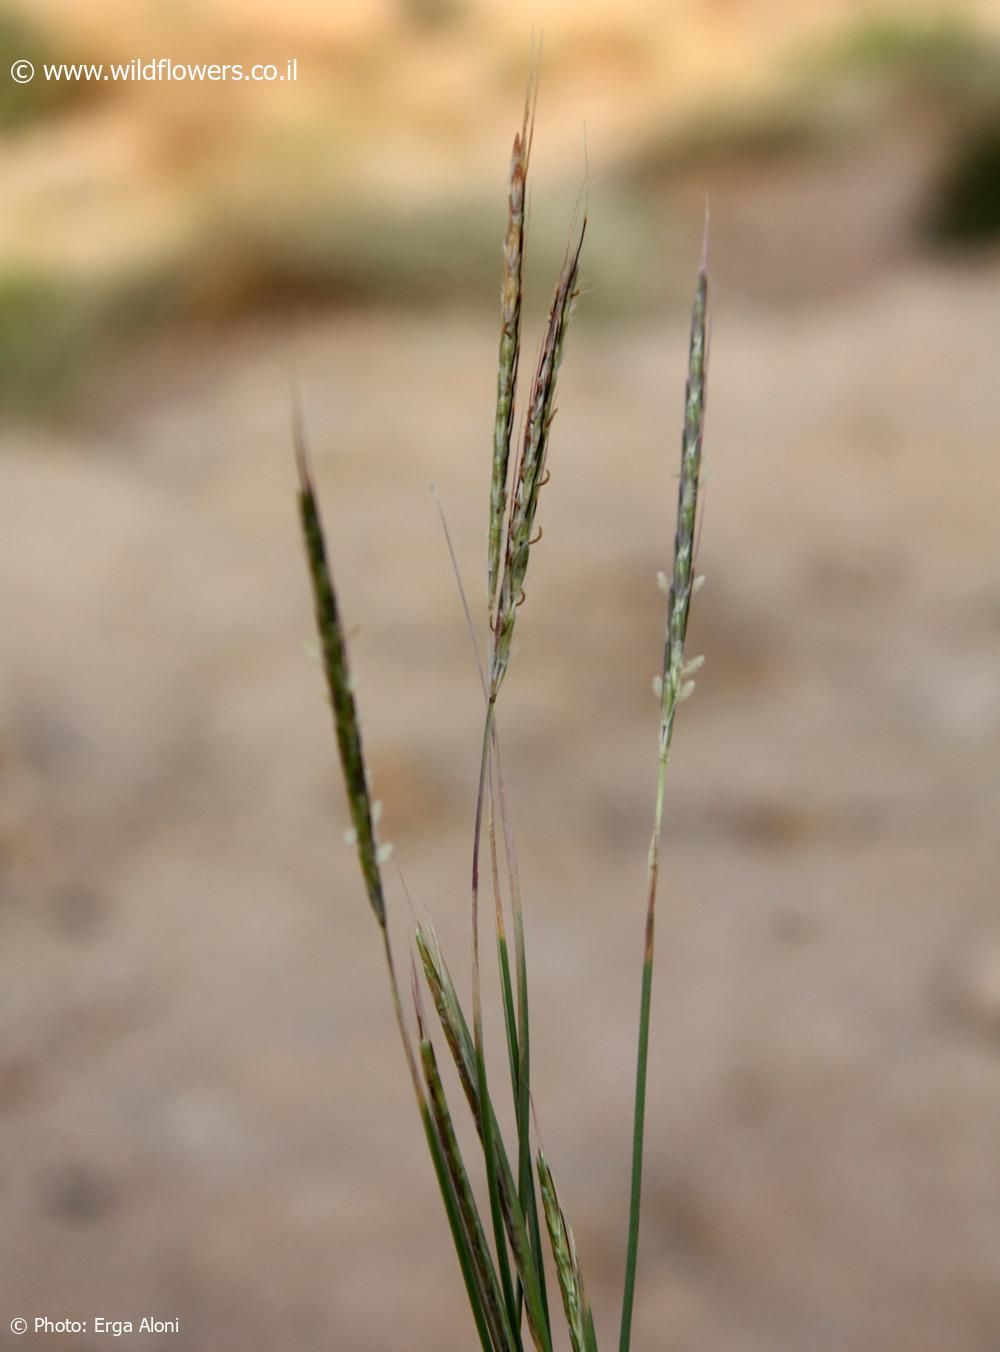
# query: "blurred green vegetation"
433,15
964,204
320,250
952,69
287,225
22,105
258,249
936,77
944,57
56,330
262,251
727,130
832,92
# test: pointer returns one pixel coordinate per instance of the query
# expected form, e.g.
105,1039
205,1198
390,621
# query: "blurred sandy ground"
204,1110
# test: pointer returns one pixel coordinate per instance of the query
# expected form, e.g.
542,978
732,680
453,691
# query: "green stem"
489,1152
503,955
639,1121
522,1087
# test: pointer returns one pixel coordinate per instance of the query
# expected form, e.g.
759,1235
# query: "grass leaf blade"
461,1045
484,1273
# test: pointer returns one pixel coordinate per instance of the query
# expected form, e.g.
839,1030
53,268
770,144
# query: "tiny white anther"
658,686
384,853
686,691
694,665
377,811
698,583
663,582
350,836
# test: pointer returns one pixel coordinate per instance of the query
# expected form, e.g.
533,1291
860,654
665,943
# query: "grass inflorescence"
499,1246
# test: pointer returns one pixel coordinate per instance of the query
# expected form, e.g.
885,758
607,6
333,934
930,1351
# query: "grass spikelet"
338,679
578,1317
682,581
530,473
449,1012
510,335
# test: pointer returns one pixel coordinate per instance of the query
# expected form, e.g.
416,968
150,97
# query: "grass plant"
499,1245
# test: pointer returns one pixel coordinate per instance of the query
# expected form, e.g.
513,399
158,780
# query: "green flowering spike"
530,474
683,582
575,1304
510,337
338,678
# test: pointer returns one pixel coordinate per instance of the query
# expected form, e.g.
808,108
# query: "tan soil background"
203,1109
